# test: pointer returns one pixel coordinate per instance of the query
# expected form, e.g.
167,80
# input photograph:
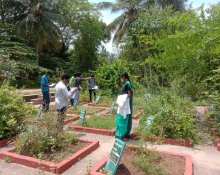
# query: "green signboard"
112,108
149,121
82,117
115,157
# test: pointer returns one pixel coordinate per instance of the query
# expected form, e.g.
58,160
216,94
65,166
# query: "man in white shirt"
62,97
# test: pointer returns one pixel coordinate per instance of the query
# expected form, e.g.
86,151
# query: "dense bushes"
40,139
13,112
173,117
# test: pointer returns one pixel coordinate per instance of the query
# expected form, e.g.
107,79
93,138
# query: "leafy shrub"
13,111
40,139
173,117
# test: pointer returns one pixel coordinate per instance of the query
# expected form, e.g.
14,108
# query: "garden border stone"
168,141
134,116
66,121
48,166
107,132
188,163
5,142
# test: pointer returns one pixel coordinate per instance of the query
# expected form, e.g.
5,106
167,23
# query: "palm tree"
121,24
129,9
39,25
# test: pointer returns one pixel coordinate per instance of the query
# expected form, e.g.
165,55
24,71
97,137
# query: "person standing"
62,97
124,116
77,84
70,85
45,91
91,85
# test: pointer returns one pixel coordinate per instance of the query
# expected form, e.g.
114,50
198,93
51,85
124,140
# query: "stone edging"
169,141
107,132
48,166
5,142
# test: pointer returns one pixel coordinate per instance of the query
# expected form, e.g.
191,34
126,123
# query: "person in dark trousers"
91,85
77,84
45,91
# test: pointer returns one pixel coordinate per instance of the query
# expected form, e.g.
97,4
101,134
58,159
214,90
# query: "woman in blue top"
124,125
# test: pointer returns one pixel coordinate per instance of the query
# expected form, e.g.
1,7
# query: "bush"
173,117
13,112
40,139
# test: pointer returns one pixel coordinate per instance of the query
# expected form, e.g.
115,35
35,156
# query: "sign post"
112,107
97,100
115,157
82,117
149,121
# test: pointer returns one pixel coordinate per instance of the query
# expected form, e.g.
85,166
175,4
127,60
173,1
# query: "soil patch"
171,165
60,154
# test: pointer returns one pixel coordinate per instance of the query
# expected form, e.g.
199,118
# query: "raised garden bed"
68,119
89,110
50,166
5,142
98,125
99,105
169,141
134,116
172,163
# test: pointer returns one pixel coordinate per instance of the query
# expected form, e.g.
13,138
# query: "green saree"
124,125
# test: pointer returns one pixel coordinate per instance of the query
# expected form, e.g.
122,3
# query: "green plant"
13,112
43,138
174,117
145,162
7,159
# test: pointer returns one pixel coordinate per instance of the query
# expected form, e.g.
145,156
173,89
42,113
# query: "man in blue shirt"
45,91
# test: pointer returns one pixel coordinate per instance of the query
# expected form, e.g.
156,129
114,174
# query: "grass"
101,122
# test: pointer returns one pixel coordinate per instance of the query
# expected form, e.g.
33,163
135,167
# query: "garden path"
206,158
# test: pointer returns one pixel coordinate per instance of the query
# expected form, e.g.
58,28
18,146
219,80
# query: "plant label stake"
149,121
97,100
115,157
146,96
82,117
112,107
75,104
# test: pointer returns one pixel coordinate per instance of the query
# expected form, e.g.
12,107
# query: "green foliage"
174,117
8,68
108,75
13,112
84,55
145,162
175,49
38,140
101,122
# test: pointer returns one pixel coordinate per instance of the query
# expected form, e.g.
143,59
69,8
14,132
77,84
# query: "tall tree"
129,9
38,25
92,34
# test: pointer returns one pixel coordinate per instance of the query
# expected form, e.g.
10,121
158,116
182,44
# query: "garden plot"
97,124
141,161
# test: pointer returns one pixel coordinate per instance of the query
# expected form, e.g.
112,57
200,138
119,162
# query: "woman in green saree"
124,124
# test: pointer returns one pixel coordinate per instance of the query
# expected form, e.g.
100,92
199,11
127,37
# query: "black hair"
77,74
125,75
65,76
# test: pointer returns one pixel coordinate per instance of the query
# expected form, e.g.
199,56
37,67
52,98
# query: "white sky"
108,17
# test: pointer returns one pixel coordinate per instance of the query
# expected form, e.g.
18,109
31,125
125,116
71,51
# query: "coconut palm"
39,25
129,9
